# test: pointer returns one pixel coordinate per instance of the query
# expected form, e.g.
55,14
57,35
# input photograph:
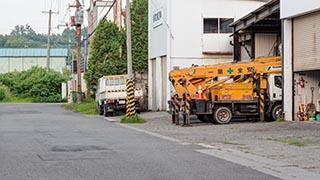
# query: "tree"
139,26
3,40
21,42
108,56
24,36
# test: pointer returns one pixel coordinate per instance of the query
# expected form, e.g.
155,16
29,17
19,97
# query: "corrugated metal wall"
24,63
264,44
306,39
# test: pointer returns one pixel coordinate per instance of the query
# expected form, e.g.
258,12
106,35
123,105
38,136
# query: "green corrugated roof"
33,52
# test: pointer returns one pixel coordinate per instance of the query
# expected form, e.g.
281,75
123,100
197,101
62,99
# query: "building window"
211,25
224,25
217,25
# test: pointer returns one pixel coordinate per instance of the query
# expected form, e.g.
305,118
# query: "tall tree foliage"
108,55
139,23
24,36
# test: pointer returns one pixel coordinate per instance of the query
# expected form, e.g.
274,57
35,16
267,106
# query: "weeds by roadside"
17,100
279,120
84,107
289,141
134,119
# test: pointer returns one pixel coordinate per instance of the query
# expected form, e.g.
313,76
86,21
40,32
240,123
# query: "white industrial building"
100,9
182,33
301,54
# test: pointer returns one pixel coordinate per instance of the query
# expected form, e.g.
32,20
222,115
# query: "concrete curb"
262,164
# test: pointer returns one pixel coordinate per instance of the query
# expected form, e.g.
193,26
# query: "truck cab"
275,87
275,96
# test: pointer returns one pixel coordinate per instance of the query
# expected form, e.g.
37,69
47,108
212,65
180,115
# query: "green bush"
36,84
4,93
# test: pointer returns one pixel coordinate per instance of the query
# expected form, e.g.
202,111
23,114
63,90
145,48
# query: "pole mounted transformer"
79,17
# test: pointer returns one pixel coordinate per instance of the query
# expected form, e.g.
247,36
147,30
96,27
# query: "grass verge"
293,142
84,107
134,119
17,100
279,120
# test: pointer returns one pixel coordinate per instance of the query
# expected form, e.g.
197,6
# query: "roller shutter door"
306,39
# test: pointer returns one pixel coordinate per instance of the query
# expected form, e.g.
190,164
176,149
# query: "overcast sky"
22,12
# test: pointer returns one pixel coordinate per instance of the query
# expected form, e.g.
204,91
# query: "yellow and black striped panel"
262,104
176,104
188,101
131,108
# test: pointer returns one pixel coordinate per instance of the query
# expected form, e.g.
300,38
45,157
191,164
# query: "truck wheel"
100,108
223,115
105,110
276,112
211,119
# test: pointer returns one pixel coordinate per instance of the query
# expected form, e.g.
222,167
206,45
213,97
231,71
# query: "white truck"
111,95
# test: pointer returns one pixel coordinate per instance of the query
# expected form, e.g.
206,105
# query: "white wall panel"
293,8
157,35
217,42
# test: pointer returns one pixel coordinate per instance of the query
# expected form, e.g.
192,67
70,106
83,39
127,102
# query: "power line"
100,14
96,17
91,33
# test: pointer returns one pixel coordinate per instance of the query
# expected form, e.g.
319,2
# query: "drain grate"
77,148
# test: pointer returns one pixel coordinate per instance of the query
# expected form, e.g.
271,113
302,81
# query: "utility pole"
78,22
117,13
49,33
131,108
129,54
78,32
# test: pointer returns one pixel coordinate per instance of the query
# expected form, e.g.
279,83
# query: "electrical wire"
104,17
98,15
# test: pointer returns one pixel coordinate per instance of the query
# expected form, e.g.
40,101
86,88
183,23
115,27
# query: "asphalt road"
46,142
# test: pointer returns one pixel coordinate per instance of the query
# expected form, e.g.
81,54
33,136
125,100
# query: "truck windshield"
109,82
122,81
116,81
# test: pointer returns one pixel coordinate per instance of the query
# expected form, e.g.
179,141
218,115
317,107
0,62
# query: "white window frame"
218,25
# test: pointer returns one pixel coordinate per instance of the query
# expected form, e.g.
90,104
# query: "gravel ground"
296,143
